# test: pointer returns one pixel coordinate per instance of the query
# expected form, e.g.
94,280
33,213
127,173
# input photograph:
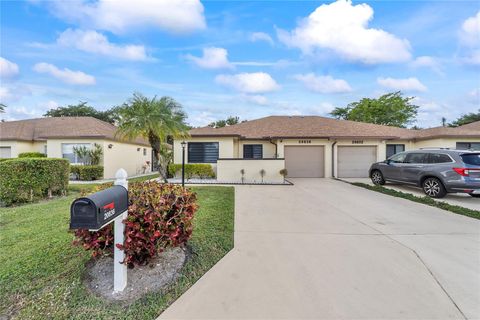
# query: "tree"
155,120
230,121
83,110
391,109
466,119
2,108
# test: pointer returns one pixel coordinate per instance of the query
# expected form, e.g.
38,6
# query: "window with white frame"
68,153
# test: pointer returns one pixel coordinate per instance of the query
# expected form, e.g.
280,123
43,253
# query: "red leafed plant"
159,216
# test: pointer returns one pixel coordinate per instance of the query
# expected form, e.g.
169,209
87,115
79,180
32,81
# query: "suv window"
439,158
416,158
398,158
471,158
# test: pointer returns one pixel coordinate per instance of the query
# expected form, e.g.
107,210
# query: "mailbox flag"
109,206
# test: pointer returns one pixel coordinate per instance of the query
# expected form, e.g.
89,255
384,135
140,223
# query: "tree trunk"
154,141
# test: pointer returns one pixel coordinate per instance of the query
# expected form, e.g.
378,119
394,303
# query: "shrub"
200,170
6,159
32,155
87,173
159,216
29,179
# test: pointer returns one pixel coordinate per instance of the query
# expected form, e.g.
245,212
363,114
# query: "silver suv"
436,171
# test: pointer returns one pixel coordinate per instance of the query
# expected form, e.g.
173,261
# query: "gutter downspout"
276,147
333,158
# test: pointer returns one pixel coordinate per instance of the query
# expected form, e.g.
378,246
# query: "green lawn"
425,200
79,187
40,270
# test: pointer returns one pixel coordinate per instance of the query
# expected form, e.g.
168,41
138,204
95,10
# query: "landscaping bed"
41,272
425,200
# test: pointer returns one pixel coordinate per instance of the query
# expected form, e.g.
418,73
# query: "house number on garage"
304,141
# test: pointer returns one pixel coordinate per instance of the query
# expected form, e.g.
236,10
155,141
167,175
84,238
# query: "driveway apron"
324,249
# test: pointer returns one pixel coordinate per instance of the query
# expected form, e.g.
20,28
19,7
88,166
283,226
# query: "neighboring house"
310,146
56,138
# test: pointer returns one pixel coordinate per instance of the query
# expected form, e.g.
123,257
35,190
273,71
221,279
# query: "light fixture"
110,146
183,144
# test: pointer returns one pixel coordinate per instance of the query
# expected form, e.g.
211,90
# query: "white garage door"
354,162
305,161
5,152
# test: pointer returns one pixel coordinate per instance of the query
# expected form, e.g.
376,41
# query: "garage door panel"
305,161
354,161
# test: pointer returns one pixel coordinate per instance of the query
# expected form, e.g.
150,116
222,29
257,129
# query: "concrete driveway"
458,199
326,249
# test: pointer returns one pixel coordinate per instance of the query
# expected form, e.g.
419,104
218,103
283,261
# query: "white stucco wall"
121,155
443,142
17,147
127,156
227,148
229,170
268,148
230,147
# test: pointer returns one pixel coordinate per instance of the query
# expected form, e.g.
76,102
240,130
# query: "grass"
425,200
41,272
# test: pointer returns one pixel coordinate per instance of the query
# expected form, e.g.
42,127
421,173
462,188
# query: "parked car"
436,171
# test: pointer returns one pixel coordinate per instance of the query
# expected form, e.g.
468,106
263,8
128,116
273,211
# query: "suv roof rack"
432,148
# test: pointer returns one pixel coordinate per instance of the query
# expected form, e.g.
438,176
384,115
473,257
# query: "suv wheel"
434,188
377,178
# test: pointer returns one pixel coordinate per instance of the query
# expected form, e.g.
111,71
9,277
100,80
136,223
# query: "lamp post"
183,162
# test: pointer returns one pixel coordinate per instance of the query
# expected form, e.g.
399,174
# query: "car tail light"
462,171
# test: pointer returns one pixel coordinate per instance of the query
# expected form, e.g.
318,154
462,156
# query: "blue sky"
250,59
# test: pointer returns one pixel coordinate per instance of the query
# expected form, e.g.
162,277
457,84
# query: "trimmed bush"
30,179
159,216
199,170
87,173
32,155
6,159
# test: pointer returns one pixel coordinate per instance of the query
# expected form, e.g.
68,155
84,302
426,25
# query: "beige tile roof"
321,127
61,127
469,130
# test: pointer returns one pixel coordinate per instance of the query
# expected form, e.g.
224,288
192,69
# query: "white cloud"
427,62
8,69
472,57
256,82
343,28
65,75
261,36
323,84
119,16
470,39
95,42
212,58
257,99
470,31
9,93
408,84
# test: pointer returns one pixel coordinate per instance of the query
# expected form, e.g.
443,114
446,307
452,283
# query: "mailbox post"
100,209
119,268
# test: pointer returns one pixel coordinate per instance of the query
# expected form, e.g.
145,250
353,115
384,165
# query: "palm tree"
2,107
155,120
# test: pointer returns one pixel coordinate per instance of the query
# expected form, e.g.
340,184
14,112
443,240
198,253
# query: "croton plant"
159,216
